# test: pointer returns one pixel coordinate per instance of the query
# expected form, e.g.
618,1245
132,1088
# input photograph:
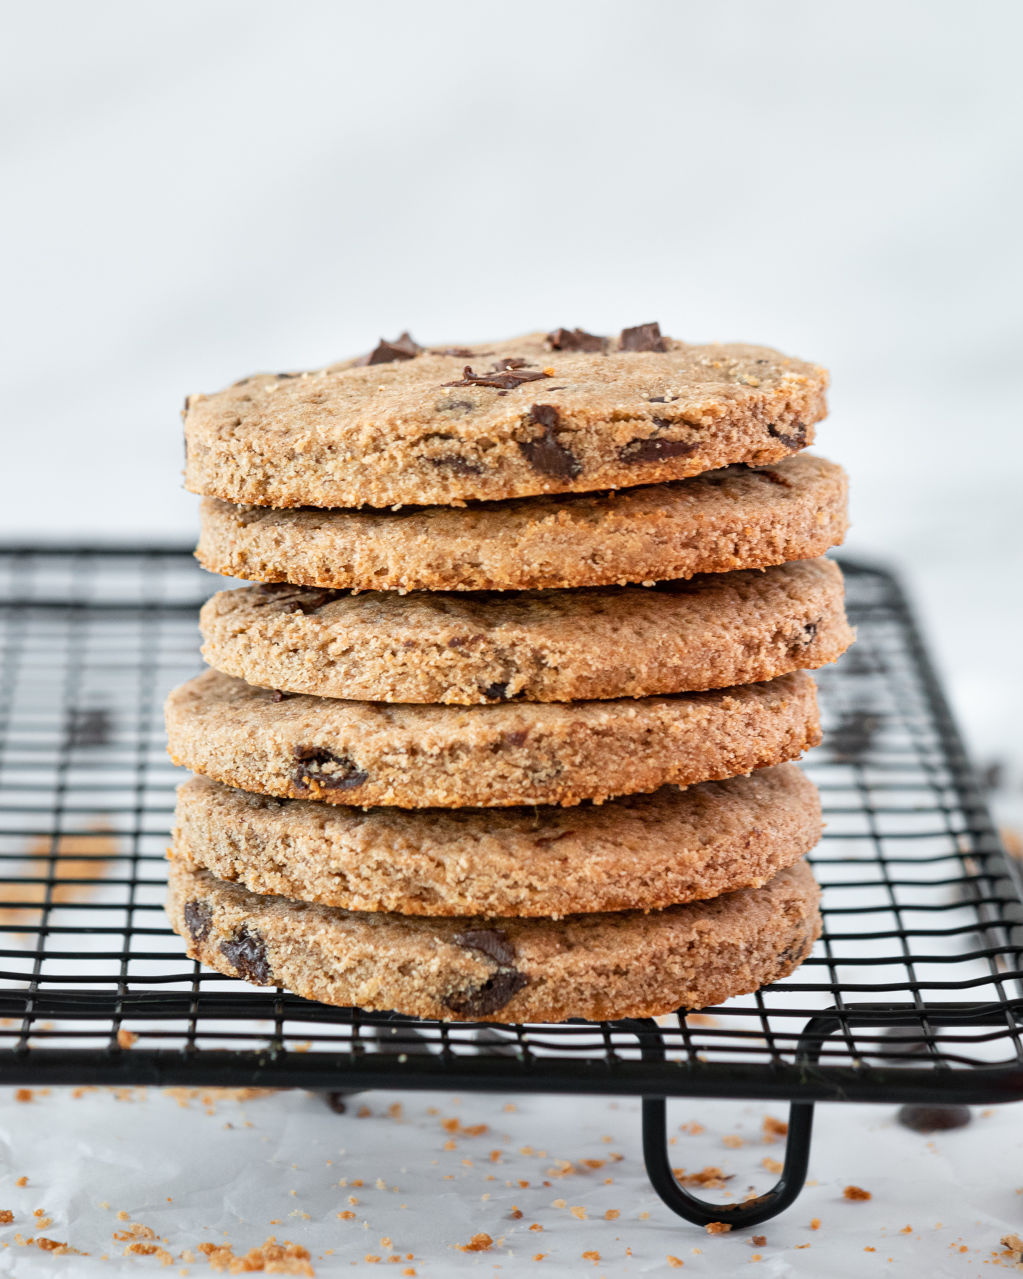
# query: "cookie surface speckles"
597,967
498,420
364,753
738,518
639,852
545,646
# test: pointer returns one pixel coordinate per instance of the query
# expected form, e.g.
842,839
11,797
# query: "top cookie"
556,413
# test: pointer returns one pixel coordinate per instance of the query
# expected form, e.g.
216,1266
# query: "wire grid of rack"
912,994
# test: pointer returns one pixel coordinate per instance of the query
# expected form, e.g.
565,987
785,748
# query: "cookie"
738,518
503,419
540,646
598,967
639,852
363,753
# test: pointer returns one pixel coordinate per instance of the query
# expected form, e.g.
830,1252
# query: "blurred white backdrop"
196,190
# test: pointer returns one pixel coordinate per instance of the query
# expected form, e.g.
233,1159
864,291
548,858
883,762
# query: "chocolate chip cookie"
639,852
540,646
737,518
363,753
537,414
598,966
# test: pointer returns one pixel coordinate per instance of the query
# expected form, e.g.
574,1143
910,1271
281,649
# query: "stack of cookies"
504,732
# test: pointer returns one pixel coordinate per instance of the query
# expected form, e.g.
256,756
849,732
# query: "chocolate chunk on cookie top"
593,966
565,411
363,753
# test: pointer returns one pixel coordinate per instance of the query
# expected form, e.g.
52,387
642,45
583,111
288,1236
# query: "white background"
193,191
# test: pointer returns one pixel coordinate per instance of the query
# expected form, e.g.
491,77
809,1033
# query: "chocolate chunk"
853,736
810,632
247,952
492,942
773,476
575,340
297,599
279,695
503,379
283,376
644,337
933,1118
795,950
497,692
481,1001
88,727
336,1101
198,920
659,399
510,362
547,454
326,770
652,449
385,352
794,440
455,464
309,601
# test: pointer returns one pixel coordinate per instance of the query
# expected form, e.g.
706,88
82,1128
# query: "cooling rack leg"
750,1213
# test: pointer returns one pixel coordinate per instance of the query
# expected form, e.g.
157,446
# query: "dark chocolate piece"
504,379
492,942
575,340
345,774
643,337
794,440
652,449
198,920
547,454
497,692
88,727
385,352
489,998
773,476
247,952
927,1119
853,736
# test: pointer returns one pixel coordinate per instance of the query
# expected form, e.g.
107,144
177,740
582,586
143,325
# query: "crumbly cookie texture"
598,967
498,420
542,646
363,753
639,852
737,518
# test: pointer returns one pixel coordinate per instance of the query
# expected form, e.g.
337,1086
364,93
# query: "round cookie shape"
498,420
368,753
597,967
737,518
543,646
641,852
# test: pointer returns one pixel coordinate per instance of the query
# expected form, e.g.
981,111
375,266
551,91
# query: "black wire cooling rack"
912,994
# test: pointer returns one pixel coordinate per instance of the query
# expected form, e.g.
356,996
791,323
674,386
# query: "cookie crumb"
856,1193
759,1241
717,1227
478,1243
